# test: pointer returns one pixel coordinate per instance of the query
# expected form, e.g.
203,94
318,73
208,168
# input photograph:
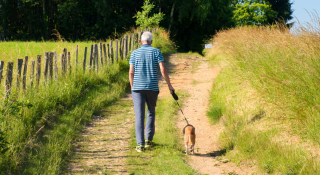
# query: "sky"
299,9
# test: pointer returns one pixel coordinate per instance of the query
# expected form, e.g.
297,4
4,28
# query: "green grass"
40,137
39,125
251,134
167,156
266,94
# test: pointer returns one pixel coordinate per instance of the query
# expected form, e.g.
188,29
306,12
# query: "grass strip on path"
166,156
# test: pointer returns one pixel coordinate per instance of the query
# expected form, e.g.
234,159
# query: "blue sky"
300,7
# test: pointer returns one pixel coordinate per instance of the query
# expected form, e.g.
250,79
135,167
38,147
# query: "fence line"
100,55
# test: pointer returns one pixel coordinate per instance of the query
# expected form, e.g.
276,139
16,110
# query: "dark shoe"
149,144
140,148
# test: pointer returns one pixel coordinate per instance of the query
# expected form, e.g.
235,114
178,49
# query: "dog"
189,137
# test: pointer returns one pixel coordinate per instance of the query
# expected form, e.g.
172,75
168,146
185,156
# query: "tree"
253,13
193,22
143,18
283,7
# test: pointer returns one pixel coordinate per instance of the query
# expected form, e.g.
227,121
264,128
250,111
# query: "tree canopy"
190,22
253,13
261,12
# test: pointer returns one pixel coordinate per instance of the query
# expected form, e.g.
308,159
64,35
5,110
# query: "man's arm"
166,76
131,74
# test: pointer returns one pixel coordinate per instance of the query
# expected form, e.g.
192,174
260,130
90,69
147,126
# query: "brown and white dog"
189,137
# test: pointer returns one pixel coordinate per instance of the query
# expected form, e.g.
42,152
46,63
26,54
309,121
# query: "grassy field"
38,126
167,156
268,94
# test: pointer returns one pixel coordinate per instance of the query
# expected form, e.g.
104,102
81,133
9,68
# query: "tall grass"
39,125
268,94
283,67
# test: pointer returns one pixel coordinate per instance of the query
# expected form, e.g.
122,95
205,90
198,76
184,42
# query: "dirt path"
195,75
104,145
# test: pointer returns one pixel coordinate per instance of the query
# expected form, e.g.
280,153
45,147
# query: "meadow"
39,125
268,97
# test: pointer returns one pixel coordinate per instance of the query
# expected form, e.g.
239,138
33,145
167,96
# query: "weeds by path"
167,156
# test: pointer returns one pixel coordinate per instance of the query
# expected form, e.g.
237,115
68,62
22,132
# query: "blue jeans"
140,98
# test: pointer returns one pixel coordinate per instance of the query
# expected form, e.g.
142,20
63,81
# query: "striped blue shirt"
145,61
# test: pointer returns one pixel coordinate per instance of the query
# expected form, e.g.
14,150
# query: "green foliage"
253,13
143,19
75,19
282,8
194,22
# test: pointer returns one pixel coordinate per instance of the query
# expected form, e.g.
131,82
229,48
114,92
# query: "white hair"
146,36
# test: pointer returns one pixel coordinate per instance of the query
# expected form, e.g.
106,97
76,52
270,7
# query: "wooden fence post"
133,40
101,56
139,38
9,78
76,58
55,66
96,56
127,46
125,49
111,50
38,72
130,39
32,73
69,62
51,55
85,59
61,63
65,57
117,49
46,66
120,49
109,56
105,54
1,70
91,56
25,68
19,69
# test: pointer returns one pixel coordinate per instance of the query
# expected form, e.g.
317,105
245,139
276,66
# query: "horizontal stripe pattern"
145,61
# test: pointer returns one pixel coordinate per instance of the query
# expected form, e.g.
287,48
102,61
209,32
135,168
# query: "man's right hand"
171,89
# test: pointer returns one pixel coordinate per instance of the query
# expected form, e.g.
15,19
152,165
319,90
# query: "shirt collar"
145,45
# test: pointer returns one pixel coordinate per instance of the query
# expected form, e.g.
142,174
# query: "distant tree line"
190,22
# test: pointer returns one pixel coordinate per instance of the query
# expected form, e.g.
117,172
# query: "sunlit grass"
268,95
39,124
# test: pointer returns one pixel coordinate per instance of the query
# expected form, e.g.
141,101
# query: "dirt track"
195,75
103,147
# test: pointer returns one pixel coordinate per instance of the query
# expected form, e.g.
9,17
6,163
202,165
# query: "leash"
176,98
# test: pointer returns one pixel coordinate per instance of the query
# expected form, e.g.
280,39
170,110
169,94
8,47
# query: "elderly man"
143,76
